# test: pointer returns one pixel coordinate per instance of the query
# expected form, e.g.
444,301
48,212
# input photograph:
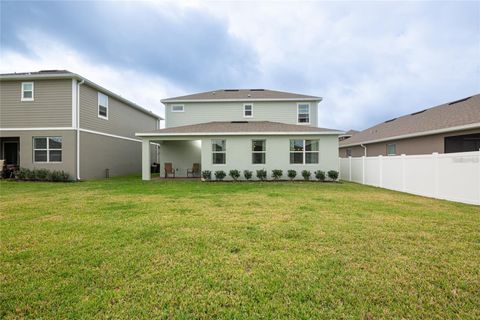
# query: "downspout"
78,127
364,149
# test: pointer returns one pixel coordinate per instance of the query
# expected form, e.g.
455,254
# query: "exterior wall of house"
26,149
182,154
275,111
123,120
120,156
416,145
52,105
239,154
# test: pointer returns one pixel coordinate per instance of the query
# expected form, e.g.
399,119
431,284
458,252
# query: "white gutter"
364,150
258,133
416,134
78,127
238,100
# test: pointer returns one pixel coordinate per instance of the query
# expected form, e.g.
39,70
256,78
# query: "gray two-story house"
243,129
59,120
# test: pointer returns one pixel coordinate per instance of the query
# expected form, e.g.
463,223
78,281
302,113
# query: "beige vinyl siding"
52,105
122,120
194,113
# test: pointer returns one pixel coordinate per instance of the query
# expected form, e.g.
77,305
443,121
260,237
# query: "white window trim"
33,92
247,104
304,152
264,151
98,105
309,113
392,154
213,152
48,149
177,105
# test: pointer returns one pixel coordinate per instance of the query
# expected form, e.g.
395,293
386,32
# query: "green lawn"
123,248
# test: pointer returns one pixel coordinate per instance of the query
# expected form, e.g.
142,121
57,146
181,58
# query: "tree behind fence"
450,176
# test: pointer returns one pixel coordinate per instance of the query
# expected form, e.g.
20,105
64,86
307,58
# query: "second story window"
178,108
303,113
102,106
247,111
27,91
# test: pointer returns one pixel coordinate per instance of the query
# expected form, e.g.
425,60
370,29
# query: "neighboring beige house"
450,127
243,129
58,120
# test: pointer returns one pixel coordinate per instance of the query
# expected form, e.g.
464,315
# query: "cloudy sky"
370,61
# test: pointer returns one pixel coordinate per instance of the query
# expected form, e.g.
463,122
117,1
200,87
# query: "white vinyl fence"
450,176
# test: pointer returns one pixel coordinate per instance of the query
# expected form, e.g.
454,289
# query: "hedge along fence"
24,174
274,175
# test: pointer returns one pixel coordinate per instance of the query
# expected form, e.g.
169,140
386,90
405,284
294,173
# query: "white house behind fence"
450,176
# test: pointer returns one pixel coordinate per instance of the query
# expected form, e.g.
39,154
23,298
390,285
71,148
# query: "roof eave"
256,133
412,135
238,100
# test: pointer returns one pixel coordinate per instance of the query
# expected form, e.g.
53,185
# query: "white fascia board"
416,134
80,78
238,100
37,129
199,134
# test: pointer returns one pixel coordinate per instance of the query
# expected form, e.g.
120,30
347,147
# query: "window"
304,151
391,149
102,106
219,152
349,152
27,91
247,111
47,149
177,108
258,151
303,113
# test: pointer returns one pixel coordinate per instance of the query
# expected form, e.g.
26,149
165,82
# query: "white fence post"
403,173
363,170
350,168
436,178
380,168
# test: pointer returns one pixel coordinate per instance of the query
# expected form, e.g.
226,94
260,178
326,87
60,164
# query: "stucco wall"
182,155
417,145
285,112
26,149
239,155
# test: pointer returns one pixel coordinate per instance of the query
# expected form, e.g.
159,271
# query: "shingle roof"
458,113
242,94
239,127
37,73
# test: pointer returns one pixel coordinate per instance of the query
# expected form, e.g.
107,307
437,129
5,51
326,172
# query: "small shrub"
277,174
42,175
332,174
235,174
291,174
320,175
31,175
306,174
207,175
262,174
22,174
247,174
220,175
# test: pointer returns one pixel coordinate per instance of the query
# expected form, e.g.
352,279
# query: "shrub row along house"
242,129
450,127
58,120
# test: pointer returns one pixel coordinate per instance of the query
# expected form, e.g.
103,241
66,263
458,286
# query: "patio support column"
146,159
